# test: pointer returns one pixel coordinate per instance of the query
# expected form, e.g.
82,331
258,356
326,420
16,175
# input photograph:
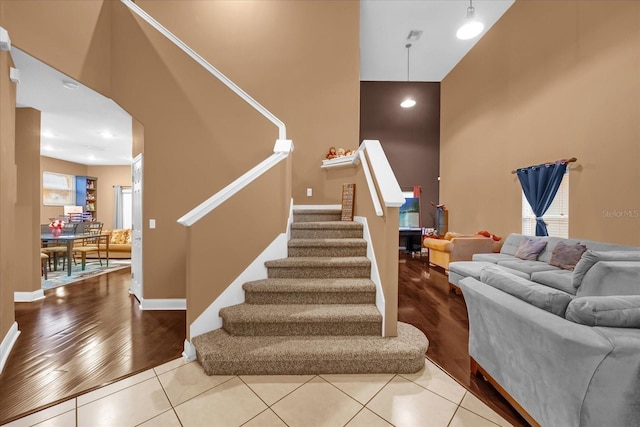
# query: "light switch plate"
152,223
309,192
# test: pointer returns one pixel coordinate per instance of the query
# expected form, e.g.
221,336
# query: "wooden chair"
44,260
53,250
89,244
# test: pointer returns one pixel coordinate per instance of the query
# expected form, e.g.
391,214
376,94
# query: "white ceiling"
74,121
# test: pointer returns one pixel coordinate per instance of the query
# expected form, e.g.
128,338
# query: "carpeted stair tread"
223,354
317,211
348,242
299,313
325,225
318,262
310,285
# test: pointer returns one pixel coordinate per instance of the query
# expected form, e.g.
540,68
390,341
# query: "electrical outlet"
309,192
152,223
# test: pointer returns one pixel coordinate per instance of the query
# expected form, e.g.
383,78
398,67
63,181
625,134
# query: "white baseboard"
7,344
28,296
163,304
189,353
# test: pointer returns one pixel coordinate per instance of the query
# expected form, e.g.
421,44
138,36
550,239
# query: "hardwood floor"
87,335
81,337
424,300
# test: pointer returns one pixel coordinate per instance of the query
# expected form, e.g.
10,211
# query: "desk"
68,239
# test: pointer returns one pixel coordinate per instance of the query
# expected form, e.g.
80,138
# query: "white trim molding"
189,353
7,344
315,207
28,296
163,304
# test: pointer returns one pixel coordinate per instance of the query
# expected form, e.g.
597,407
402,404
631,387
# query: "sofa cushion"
511,244
528,267
557,279
529,248
613,311
566,256
607,247
541,296
120,237
493,258
620,269
438,244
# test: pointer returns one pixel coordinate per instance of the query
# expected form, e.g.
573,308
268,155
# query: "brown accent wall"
27,244
8,190
550,80
299,59
108,177
410,136
49,164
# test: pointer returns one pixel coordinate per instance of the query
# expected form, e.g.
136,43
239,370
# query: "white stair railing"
390,190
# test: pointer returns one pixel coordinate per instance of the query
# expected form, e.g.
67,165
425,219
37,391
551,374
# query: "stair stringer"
375,275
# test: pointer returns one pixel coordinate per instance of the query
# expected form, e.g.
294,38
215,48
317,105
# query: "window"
58,189
556,217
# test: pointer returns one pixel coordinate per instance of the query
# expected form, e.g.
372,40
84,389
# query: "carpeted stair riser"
317,217
331,233
327,248
223,354
310,291
308,329
318,272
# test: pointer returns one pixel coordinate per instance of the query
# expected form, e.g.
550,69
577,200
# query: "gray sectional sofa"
562,345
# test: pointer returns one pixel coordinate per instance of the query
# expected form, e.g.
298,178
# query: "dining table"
69,239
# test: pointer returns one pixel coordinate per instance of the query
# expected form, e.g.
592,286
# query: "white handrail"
280,152
390,190
282,130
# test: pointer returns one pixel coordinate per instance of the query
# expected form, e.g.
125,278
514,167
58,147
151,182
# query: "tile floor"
180,394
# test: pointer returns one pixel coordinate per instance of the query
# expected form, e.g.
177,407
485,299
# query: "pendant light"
408,102
471,27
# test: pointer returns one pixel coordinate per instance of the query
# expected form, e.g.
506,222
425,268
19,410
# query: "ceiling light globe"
408,103
470,30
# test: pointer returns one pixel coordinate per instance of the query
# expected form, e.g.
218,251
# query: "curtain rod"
571,160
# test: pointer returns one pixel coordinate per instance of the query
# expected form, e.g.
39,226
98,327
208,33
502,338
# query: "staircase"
315,313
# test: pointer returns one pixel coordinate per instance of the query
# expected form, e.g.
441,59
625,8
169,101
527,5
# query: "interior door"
136,242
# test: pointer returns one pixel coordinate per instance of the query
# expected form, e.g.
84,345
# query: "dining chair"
53,249
89,244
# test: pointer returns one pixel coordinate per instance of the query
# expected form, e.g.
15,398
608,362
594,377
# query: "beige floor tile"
230,404
434,379
317,403
128,407
188,381
166,367
166,419
45,414
360,387
115,387
272,388
404,403
366,418
466,418
68,419
478,407
267,418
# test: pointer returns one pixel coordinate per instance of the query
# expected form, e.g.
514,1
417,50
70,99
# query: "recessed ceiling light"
47,148
91,157
47,134
70,85
107,135
408,103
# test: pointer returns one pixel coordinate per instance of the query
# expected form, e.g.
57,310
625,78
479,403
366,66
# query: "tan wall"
69,35
108,177
299,59
27,244
551,80
8,187
49,164
260,211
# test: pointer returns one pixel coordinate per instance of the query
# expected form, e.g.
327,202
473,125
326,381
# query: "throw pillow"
567,256
615,311
529,249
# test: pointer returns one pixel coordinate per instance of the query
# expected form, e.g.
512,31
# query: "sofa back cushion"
119,237
529,248
511,244
607,273
541,296
566,256
615,311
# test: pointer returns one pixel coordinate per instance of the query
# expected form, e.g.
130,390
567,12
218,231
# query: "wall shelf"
340,162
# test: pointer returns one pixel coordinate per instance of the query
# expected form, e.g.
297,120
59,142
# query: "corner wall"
550,80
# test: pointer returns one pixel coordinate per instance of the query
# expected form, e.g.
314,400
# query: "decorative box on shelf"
342,161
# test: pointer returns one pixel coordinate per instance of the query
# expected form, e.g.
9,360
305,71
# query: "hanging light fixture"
408,102
471,27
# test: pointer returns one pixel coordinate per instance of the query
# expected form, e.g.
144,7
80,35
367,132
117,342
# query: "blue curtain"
540,185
